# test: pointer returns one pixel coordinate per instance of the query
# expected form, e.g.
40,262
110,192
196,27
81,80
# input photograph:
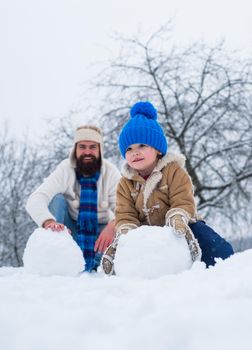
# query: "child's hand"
193,245
178,223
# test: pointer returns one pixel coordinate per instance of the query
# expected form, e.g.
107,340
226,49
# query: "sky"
189,307
51,48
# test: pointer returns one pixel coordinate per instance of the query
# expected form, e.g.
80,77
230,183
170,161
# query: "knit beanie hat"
86,133
142,128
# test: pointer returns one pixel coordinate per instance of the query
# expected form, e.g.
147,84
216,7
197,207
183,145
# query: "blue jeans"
212,245
59,209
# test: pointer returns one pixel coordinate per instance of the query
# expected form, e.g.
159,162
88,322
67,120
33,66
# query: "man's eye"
93,147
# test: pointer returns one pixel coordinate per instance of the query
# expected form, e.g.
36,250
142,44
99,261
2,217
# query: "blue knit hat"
142,128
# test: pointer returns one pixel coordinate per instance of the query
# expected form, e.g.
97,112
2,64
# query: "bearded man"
80,195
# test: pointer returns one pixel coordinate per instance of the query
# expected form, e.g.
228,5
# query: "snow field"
195,309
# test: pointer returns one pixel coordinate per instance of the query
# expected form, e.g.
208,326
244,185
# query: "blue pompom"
145,108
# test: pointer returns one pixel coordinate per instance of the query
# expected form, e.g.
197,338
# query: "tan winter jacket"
167,191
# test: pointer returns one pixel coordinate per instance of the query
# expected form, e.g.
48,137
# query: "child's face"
142,158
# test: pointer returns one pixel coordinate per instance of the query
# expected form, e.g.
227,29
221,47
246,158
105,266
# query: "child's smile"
142,158
138,159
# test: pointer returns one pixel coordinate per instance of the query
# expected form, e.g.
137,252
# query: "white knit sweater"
63,180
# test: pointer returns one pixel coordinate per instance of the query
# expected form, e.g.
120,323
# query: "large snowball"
52,253
151,252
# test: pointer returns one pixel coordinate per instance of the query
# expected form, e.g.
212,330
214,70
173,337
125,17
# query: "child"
155,189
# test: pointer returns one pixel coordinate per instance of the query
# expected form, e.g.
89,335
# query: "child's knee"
211,243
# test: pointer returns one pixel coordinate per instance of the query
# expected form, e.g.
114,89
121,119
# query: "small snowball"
151,252
52,253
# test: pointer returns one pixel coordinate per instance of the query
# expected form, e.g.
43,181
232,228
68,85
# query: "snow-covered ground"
197,308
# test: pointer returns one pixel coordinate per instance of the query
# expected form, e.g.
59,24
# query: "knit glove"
108,257
179,222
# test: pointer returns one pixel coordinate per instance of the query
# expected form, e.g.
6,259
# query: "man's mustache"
83,157
88,167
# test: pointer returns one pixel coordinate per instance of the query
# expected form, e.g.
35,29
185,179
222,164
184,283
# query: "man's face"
88,157
87,149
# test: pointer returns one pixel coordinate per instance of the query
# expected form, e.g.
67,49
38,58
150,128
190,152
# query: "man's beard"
88,168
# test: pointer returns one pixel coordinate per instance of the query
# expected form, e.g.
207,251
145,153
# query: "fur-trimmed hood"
130,173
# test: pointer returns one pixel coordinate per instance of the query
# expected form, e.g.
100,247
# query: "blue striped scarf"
87,222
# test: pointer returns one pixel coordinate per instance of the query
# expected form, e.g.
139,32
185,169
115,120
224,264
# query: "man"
80,194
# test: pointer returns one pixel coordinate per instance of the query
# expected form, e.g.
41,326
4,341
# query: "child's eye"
128,149
142,145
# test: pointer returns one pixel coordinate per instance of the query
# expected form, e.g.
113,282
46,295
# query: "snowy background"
49,49
194,309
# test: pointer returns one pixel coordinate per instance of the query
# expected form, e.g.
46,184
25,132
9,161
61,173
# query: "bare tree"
203,96
17,163
23,166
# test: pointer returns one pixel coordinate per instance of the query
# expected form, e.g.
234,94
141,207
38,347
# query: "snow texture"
196,309
151,252
50,253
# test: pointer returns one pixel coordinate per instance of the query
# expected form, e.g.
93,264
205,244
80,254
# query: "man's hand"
105,238
54,226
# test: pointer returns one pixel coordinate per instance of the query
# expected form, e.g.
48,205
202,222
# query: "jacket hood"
129,172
